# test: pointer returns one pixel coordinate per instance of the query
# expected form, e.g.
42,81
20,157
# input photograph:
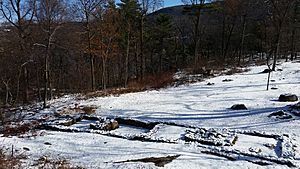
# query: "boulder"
227,80
107,125
238,107
296,106
288,98
296,113
89,110
281,115
210,84
26,149
266,71
295,109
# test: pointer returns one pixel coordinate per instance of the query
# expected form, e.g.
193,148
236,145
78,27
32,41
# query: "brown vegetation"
10,161
75,46
49,163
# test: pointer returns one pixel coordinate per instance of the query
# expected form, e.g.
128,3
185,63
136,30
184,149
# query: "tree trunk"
6,84
242,39
277,50
18,84
136,55
104,73
223,36
38,83
127,57
269,68
228,40
46,76
143,59
26,92
197,40
293,44
92,65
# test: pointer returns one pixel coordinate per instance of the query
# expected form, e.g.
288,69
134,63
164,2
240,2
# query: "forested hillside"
88,45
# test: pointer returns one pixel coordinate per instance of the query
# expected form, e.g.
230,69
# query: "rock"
288,98
210,84
296,106
114,125
47,143
281,115
280,70
267,71
89,110
238,107
274,88
227,80
296,113
272,80
269,145
26,149
295,109
278,113
255,150
108,125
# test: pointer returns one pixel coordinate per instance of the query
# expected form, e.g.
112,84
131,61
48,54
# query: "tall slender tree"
50,15
105,41
20,13
278,15
195,8
87,12
130,12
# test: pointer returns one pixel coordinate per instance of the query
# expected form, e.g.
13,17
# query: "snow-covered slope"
197,105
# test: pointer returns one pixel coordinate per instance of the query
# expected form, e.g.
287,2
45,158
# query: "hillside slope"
260,141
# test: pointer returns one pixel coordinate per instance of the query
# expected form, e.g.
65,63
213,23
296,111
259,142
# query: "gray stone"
227,80
281,115
238,107
266,71
288,98
108,125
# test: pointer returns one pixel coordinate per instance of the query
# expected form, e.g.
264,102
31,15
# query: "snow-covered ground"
198,105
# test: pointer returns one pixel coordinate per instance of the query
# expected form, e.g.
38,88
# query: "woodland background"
89,45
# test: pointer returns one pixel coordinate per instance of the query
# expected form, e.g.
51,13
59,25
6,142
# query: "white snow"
197,105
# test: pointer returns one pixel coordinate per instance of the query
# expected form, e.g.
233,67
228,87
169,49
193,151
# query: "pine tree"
130,12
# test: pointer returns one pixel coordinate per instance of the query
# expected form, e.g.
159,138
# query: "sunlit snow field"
197,104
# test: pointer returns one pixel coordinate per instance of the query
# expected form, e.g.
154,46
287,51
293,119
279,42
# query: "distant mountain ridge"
172,11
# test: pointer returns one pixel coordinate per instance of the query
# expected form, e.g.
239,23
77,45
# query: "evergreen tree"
130,12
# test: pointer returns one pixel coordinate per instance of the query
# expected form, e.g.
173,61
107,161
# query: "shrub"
157,81
9,161
48,163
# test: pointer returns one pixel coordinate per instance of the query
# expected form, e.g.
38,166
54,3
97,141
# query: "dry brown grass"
89,110
19,128
137,85
236,70
9,161
48,163
158,81
78,110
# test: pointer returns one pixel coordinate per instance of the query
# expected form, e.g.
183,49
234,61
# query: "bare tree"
50,15
87,11
130,12
195,9
278,15
20,13
146,7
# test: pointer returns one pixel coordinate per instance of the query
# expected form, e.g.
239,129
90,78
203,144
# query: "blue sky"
172,2
166,2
